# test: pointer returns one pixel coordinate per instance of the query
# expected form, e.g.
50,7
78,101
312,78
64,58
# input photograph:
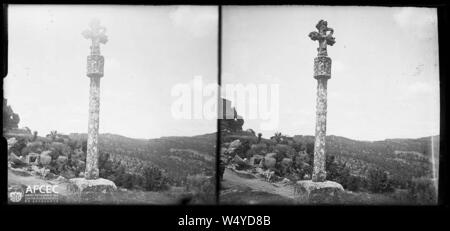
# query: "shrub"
378,181
105,165
341,174
277,137
422,191
243,149
202,187
154,179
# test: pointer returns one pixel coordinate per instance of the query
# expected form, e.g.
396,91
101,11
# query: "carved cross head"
96,33
324,35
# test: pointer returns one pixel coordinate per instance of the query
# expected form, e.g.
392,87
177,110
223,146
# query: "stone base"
97,185
320,192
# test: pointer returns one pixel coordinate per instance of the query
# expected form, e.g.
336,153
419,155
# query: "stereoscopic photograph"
309,105
97,104
329,105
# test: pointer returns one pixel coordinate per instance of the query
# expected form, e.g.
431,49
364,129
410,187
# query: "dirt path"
258,190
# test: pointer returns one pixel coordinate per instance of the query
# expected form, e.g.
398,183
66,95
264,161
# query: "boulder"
16,160
269,162
235,144
35,146
285,181
45,159
83,185
16,145
286,162
61,179
320,192
271,155
62,160
241,163
11,142
39,171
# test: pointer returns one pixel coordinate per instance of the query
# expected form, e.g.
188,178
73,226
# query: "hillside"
401,158
391,171
179,156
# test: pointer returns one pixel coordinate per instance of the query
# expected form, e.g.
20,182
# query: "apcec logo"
16,194
33,194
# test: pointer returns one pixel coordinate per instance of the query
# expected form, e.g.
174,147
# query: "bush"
423,191
203,188
341,174
378,181
154,179
151,179
243,149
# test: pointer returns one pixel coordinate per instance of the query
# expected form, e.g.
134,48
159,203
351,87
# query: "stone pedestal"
99,185
320,192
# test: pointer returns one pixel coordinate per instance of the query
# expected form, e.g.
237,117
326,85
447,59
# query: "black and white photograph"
91,107
242,105
330,105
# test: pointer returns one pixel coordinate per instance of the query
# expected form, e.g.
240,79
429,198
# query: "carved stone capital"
322,67
95,65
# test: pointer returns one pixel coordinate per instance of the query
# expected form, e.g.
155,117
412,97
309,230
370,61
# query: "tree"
259,138
277,137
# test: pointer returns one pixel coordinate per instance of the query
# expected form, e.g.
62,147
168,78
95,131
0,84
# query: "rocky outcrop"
96,185
320,192
47,155
230,121
10,119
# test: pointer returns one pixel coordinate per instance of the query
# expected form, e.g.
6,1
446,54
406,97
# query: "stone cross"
322,36
95,62
322,72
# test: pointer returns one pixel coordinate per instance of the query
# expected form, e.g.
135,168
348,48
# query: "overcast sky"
385,71
150,49
384,84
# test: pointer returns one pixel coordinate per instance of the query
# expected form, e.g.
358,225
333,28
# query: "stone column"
322,67
95,63
318,189
322,72
91,184
93,124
